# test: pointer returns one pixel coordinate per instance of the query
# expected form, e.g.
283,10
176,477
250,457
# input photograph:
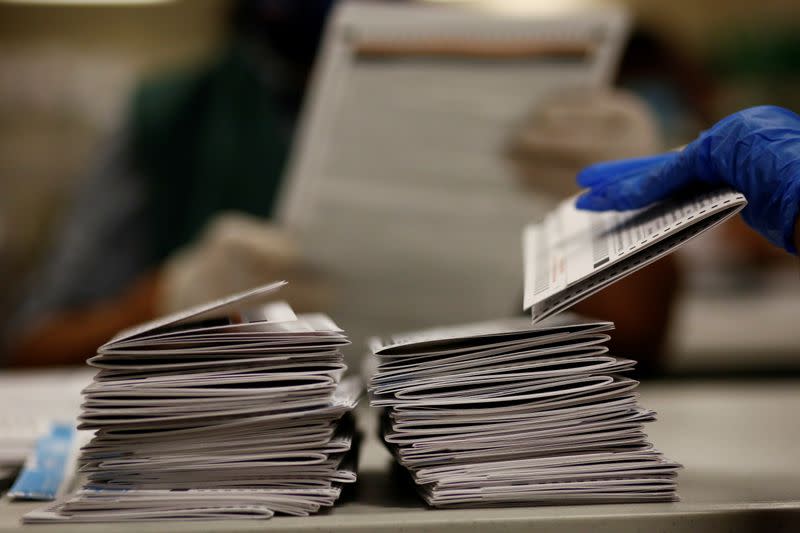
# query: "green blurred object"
755,66
765,51
210,140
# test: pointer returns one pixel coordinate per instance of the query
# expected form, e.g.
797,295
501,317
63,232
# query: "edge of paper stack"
233,409
506,412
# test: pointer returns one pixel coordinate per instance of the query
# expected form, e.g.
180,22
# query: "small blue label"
45,471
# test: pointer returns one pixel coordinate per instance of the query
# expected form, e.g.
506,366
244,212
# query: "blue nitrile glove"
755,151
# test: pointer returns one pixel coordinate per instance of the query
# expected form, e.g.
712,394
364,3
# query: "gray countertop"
737,441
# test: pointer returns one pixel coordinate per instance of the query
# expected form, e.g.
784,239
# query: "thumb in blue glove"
756,151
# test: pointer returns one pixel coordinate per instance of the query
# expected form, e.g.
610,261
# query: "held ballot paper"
233,409
575,253
511,412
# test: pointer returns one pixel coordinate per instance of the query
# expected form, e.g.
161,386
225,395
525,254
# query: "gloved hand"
755,151
236,252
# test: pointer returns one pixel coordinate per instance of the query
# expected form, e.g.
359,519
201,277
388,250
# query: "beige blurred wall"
65,75
144,36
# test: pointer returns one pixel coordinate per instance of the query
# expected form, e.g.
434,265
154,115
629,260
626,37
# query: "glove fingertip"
608,171
592,202
592,175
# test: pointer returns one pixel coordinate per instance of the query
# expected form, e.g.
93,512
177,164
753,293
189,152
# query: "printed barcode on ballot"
542,280
600,254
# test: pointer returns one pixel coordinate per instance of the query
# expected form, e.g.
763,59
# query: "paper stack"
505,412
234,409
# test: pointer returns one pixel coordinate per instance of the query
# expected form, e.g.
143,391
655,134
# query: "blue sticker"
45,471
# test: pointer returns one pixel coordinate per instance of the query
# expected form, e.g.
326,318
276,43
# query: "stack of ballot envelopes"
519,411
233,409
506,412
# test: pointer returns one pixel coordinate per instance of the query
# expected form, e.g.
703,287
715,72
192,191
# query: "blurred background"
146,149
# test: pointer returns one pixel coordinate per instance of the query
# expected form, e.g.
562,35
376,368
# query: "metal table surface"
737,441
